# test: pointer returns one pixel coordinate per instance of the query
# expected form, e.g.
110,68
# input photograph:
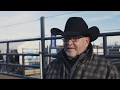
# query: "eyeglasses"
73,39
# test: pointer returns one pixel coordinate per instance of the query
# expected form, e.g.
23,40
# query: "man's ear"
88,40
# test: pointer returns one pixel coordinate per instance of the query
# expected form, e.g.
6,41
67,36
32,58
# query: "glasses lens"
74,39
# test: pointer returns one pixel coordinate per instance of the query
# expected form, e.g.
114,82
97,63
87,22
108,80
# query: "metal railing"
105,53
43,53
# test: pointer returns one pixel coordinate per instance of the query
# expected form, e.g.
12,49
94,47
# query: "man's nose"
69,41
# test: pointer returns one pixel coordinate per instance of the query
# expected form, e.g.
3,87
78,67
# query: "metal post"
105,45
23,63
42,46
7,58
53,41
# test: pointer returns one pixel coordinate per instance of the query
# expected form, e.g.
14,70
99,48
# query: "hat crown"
76,24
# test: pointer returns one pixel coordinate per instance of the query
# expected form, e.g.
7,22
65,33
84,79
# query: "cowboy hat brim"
56,31
93,33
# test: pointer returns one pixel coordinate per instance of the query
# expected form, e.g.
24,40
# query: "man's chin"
71,55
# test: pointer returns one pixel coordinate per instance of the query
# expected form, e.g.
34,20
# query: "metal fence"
42,54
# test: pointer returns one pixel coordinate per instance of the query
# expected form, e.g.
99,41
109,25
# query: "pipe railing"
43,52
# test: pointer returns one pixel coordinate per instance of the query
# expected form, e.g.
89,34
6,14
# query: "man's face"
74,46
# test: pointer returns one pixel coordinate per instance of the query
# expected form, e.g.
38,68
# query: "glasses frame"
72,38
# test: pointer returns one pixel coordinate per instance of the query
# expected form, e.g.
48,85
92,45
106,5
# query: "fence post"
7,58
42,46
105,44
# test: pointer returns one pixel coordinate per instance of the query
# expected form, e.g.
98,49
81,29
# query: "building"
30,47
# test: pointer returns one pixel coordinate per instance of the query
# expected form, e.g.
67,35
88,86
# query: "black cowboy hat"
77,26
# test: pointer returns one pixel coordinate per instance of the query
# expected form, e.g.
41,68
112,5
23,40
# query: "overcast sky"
26,24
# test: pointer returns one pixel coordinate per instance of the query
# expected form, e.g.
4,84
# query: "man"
77,60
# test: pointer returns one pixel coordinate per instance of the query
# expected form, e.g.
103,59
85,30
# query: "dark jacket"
87,66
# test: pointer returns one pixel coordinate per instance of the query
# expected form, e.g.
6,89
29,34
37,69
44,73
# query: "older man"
77,60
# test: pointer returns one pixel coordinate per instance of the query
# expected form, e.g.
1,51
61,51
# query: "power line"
48,17
37,19
18,23
64,14
112,29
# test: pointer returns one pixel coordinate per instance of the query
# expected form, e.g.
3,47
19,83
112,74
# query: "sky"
26,24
